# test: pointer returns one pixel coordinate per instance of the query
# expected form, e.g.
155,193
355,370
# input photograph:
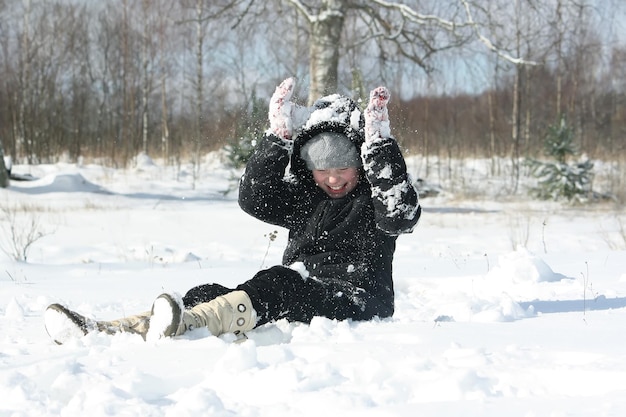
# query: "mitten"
377,116
286,116
280,110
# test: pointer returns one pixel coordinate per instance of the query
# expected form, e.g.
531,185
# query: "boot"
63,324
230,313
137,324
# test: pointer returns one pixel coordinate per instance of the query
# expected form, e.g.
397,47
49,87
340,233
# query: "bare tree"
103,68
516,111
199,87
164,30
399,28
22,143
395,31
146,58
559,40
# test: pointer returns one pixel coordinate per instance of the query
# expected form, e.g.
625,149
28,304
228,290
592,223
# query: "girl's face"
337,182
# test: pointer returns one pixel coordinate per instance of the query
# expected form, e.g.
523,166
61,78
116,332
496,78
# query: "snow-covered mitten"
286,116
377,116
280,110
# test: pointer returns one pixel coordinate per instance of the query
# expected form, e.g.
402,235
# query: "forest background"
175,79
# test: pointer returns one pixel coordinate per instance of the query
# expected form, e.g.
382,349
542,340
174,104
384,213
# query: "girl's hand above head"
281,108
377,116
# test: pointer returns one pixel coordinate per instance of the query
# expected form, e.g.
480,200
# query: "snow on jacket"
347,240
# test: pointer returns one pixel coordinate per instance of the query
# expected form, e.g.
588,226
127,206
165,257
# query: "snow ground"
503,307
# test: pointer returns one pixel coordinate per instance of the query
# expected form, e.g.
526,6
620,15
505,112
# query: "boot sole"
165,318
63,324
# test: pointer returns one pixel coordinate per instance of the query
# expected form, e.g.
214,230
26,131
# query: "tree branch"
421,19
303,10
487,42
453,27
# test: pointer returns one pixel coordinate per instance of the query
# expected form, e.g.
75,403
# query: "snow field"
502,308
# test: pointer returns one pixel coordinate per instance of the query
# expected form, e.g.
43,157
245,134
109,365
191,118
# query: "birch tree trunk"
559,52
199,92
492,130
145,80
326,31
516,115
165,131
21,144
128,106
516,128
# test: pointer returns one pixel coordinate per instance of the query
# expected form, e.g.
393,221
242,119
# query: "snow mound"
143,162
73,182
61,183
522,266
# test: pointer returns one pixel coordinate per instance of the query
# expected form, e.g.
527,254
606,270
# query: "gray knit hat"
330,150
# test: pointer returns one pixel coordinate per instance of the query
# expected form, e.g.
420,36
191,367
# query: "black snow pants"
280,292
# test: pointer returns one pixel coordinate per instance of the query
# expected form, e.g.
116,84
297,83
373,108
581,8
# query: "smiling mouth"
337,189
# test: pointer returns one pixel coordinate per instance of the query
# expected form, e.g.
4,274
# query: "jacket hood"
333,113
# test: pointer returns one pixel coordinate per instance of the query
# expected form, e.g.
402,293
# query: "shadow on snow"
456,210
571,306
76,183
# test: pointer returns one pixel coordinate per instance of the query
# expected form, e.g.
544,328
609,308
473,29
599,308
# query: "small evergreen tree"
248,129
559,179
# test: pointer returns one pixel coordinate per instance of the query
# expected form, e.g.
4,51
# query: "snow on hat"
330,150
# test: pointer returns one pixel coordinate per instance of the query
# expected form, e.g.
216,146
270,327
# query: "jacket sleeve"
264,190
395,199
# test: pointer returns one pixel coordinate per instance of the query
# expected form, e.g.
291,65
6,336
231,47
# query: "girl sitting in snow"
344,200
